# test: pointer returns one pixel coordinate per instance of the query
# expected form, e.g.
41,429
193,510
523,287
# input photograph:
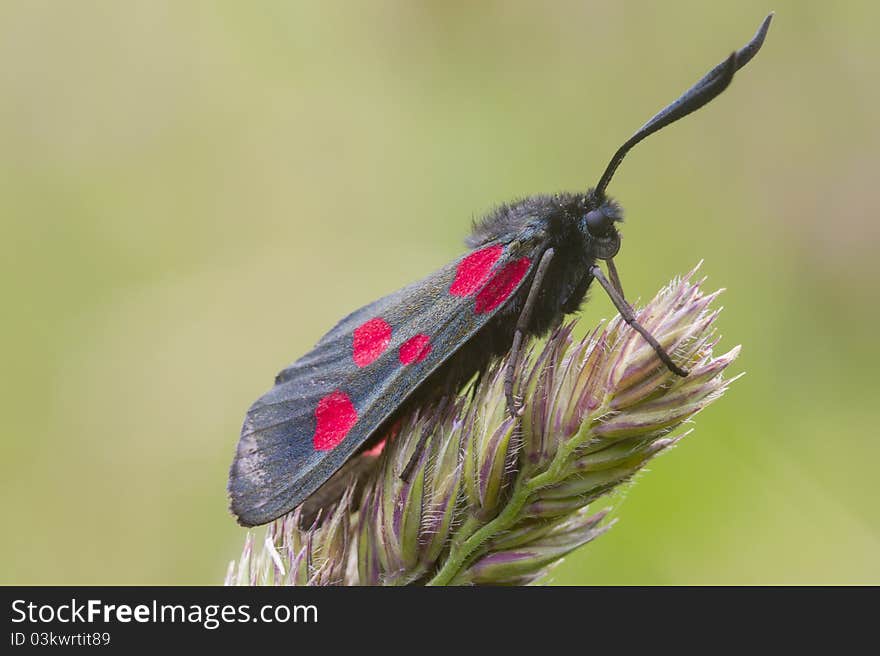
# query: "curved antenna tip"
705,90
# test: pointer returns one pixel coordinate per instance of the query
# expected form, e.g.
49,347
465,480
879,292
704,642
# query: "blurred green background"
192,193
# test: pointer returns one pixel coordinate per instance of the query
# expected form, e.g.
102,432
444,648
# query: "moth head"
597,225
600,221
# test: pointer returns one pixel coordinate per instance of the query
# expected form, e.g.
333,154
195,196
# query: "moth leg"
615,279
628,316
521,325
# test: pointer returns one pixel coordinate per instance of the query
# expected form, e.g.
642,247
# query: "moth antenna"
705,90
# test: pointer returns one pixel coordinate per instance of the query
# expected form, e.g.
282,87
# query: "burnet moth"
531,263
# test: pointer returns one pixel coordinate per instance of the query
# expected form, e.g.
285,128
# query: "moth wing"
325,406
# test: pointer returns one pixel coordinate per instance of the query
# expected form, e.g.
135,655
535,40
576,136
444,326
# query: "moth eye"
598,223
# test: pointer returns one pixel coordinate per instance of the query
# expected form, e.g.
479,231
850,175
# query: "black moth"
531,263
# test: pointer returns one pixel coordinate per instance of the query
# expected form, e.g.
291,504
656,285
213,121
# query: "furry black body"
531,263
557,222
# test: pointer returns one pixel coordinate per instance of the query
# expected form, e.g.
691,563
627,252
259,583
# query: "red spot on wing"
376,450
501,285
371,339
380,446
474,270
335,415
415,349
